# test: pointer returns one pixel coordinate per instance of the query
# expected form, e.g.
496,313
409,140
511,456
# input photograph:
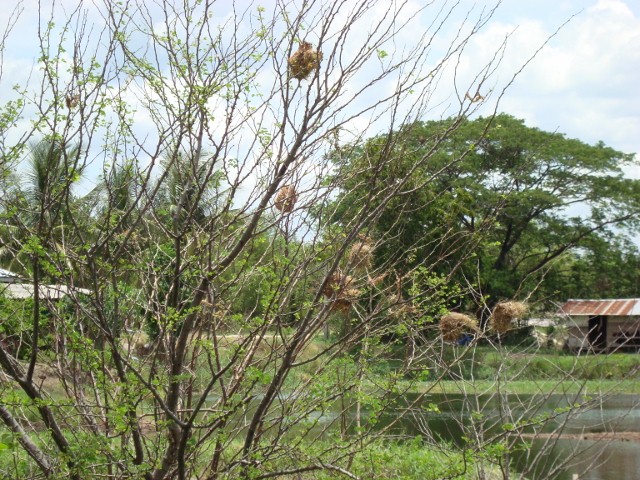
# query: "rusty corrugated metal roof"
617,307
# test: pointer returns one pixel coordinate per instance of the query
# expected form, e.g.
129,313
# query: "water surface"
561,453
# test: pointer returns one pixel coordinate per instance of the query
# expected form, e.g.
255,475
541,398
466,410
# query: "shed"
602,325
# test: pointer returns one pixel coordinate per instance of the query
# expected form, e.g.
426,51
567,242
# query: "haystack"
304,61
504,313
286,199
453,325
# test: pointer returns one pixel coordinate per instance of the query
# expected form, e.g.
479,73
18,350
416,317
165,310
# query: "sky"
583,83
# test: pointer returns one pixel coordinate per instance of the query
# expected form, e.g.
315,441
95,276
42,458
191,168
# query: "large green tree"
498,202
603,267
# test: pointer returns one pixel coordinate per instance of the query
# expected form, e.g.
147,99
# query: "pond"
570,443
581,441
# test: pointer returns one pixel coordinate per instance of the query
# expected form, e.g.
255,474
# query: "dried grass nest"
504,313
304,61
361,253
340,289
377,280
71,101
286,198
453,325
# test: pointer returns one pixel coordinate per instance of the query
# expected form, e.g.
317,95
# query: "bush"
410,460
17,324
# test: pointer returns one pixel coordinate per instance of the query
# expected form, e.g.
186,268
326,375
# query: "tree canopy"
498,202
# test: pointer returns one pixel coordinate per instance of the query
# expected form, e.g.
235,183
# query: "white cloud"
583,83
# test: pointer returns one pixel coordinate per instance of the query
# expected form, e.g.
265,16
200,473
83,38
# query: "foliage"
497,203
16,327
520,364
603,267
411,460
183,323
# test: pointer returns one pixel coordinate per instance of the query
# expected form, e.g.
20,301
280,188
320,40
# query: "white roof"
51,292
541,322
7,276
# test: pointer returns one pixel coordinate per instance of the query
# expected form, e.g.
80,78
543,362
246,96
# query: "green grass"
537,366
589,387
411,460
529,372
485,363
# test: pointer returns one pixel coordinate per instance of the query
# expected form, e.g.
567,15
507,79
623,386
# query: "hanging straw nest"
346,300
339,288
453,325
375,281
286,199
337,283
304,61
504,313
71,101
361,253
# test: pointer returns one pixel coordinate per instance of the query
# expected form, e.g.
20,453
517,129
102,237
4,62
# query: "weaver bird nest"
453,325
376,281
304,61
286,199
504,313
339,288
71,101
361,253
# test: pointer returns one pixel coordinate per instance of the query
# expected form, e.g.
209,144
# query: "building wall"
577,338
623,332
577,329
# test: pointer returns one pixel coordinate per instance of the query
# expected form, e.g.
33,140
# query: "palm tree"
113,200
38,212
187,199
53,168
117,233
187,191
